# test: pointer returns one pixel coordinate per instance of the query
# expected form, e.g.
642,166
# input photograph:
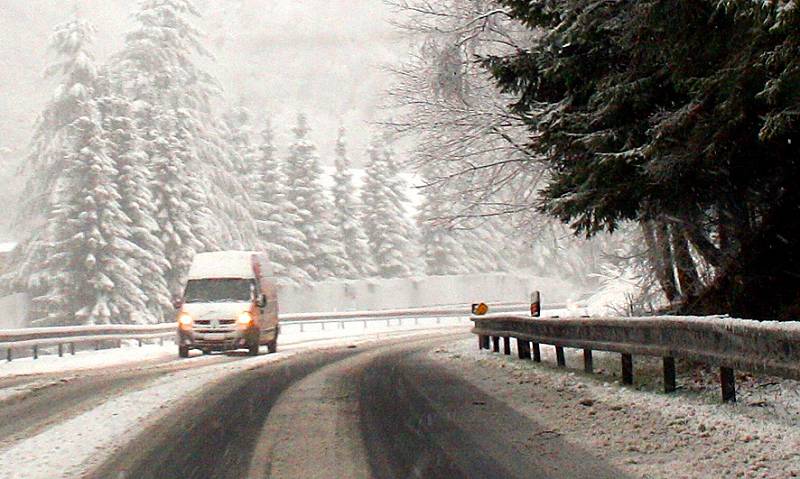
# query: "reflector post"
536,305
479,309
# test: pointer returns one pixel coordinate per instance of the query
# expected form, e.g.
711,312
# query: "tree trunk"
764,281
694,233
688,279
658,252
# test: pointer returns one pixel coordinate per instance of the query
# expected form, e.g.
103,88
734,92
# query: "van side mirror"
177,303
261,301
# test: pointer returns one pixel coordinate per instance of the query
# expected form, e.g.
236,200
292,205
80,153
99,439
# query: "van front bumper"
217,341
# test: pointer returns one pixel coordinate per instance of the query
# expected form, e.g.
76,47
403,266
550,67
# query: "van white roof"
223,264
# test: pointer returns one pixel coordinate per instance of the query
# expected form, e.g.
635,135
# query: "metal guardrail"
70,336
389,319
443,311
770,348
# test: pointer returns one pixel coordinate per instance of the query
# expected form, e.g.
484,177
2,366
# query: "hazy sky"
276,57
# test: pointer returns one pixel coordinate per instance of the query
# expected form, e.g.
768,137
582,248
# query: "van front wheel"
183,351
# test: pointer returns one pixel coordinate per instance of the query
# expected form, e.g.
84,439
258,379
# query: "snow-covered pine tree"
325,257
489,246
71,43
82,273
241,153
135,179
179,201
389,231
94,281
347,216
441,245
171,97
237,133
276,217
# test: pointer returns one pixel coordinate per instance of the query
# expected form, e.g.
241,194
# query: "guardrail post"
365,324
72,348
35,351
302,327
669,374
588,363
119,343
341,325
322,323
537,353
496,344
728,382
140,341
627,369
416,321
60,350
9,355
438,320
161,341
523,348
96,345
506,345
560,360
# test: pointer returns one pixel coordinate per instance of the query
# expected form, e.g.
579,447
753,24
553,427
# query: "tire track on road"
216,435
419,420
67,396
213,435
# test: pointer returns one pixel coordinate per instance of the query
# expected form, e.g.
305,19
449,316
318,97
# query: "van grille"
225,326
207,322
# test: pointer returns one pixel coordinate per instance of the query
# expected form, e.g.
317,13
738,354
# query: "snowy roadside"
84,360
87,360
638,429
70,448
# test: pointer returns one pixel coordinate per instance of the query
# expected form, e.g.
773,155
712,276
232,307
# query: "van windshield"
219,290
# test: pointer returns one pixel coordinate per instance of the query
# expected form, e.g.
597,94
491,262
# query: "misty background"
276,58
143,133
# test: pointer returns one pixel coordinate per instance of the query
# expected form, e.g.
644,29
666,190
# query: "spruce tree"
442,246
83,275
71,43
389,231
94,281
158,74
676,114
178,200
135,181
277,218
347,216
325,257
241,153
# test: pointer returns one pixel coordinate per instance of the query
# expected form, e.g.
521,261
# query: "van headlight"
185,320
244,319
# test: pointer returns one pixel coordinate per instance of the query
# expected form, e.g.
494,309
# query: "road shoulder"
644,433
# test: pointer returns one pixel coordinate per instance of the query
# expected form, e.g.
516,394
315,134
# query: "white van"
230,302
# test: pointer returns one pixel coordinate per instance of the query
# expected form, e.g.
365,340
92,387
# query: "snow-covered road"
60,417
386,402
